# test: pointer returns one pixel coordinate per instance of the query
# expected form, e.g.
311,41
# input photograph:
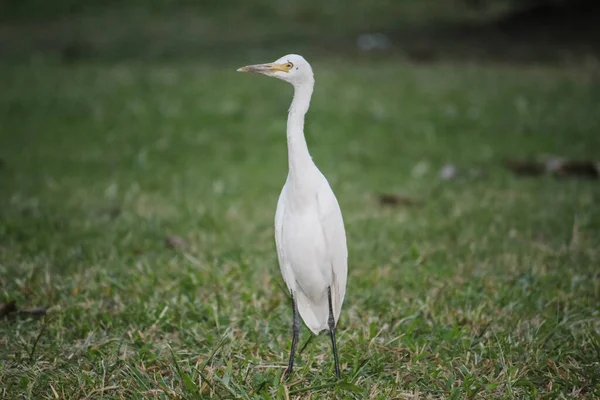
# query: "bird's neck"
300,162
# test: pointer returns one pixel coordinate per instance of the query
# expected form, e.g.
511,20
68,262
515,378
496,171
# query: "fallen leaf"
175,242
8,308
397,200
584,169
556,166
33,312
525,168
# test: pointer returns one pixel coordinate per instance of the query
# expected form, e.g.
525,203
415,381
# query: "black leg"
295,332
332,333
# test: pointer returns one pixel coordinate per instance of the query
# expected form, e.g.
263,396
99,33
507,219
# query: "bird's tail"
313,313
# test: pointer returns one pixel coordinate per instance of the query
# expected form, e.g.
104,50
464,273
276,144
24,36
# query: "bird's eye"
289,65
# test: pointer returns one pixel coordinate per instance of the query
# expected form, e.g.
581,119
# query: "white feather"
309,228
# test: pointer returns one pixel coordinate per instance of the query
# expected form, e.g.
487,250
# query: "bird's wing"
279,226
332,224
283,266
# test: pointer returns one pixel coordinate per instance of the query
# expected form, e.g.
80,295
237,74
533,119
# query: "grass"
489,290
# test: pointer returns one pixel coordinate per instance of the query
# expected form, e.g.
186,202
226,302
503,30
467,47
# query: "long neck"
300,162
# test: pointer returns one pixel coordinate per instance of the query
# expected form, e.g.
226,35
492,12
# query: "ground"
137,203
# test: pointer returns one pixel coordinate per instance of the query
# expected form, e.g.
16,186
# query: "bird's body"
311,248
309,228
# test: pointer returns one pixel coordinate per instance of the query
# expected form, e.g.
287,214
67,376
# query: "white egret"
309,229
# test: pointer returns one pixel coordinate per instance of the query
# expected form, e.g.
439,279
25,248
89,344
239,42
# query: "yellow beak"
269,68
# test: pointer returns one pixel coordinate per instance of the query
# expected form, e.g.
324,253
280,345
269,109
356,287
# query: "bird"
310,236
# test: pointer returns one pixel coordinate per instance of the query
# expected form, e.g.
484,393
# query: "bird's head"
291,68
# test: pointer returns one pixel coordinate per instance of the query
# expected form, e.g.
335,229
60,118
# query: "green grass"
489,290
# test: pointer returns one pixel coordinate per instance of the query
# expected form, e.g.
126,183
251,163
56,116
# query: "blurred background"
424,31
